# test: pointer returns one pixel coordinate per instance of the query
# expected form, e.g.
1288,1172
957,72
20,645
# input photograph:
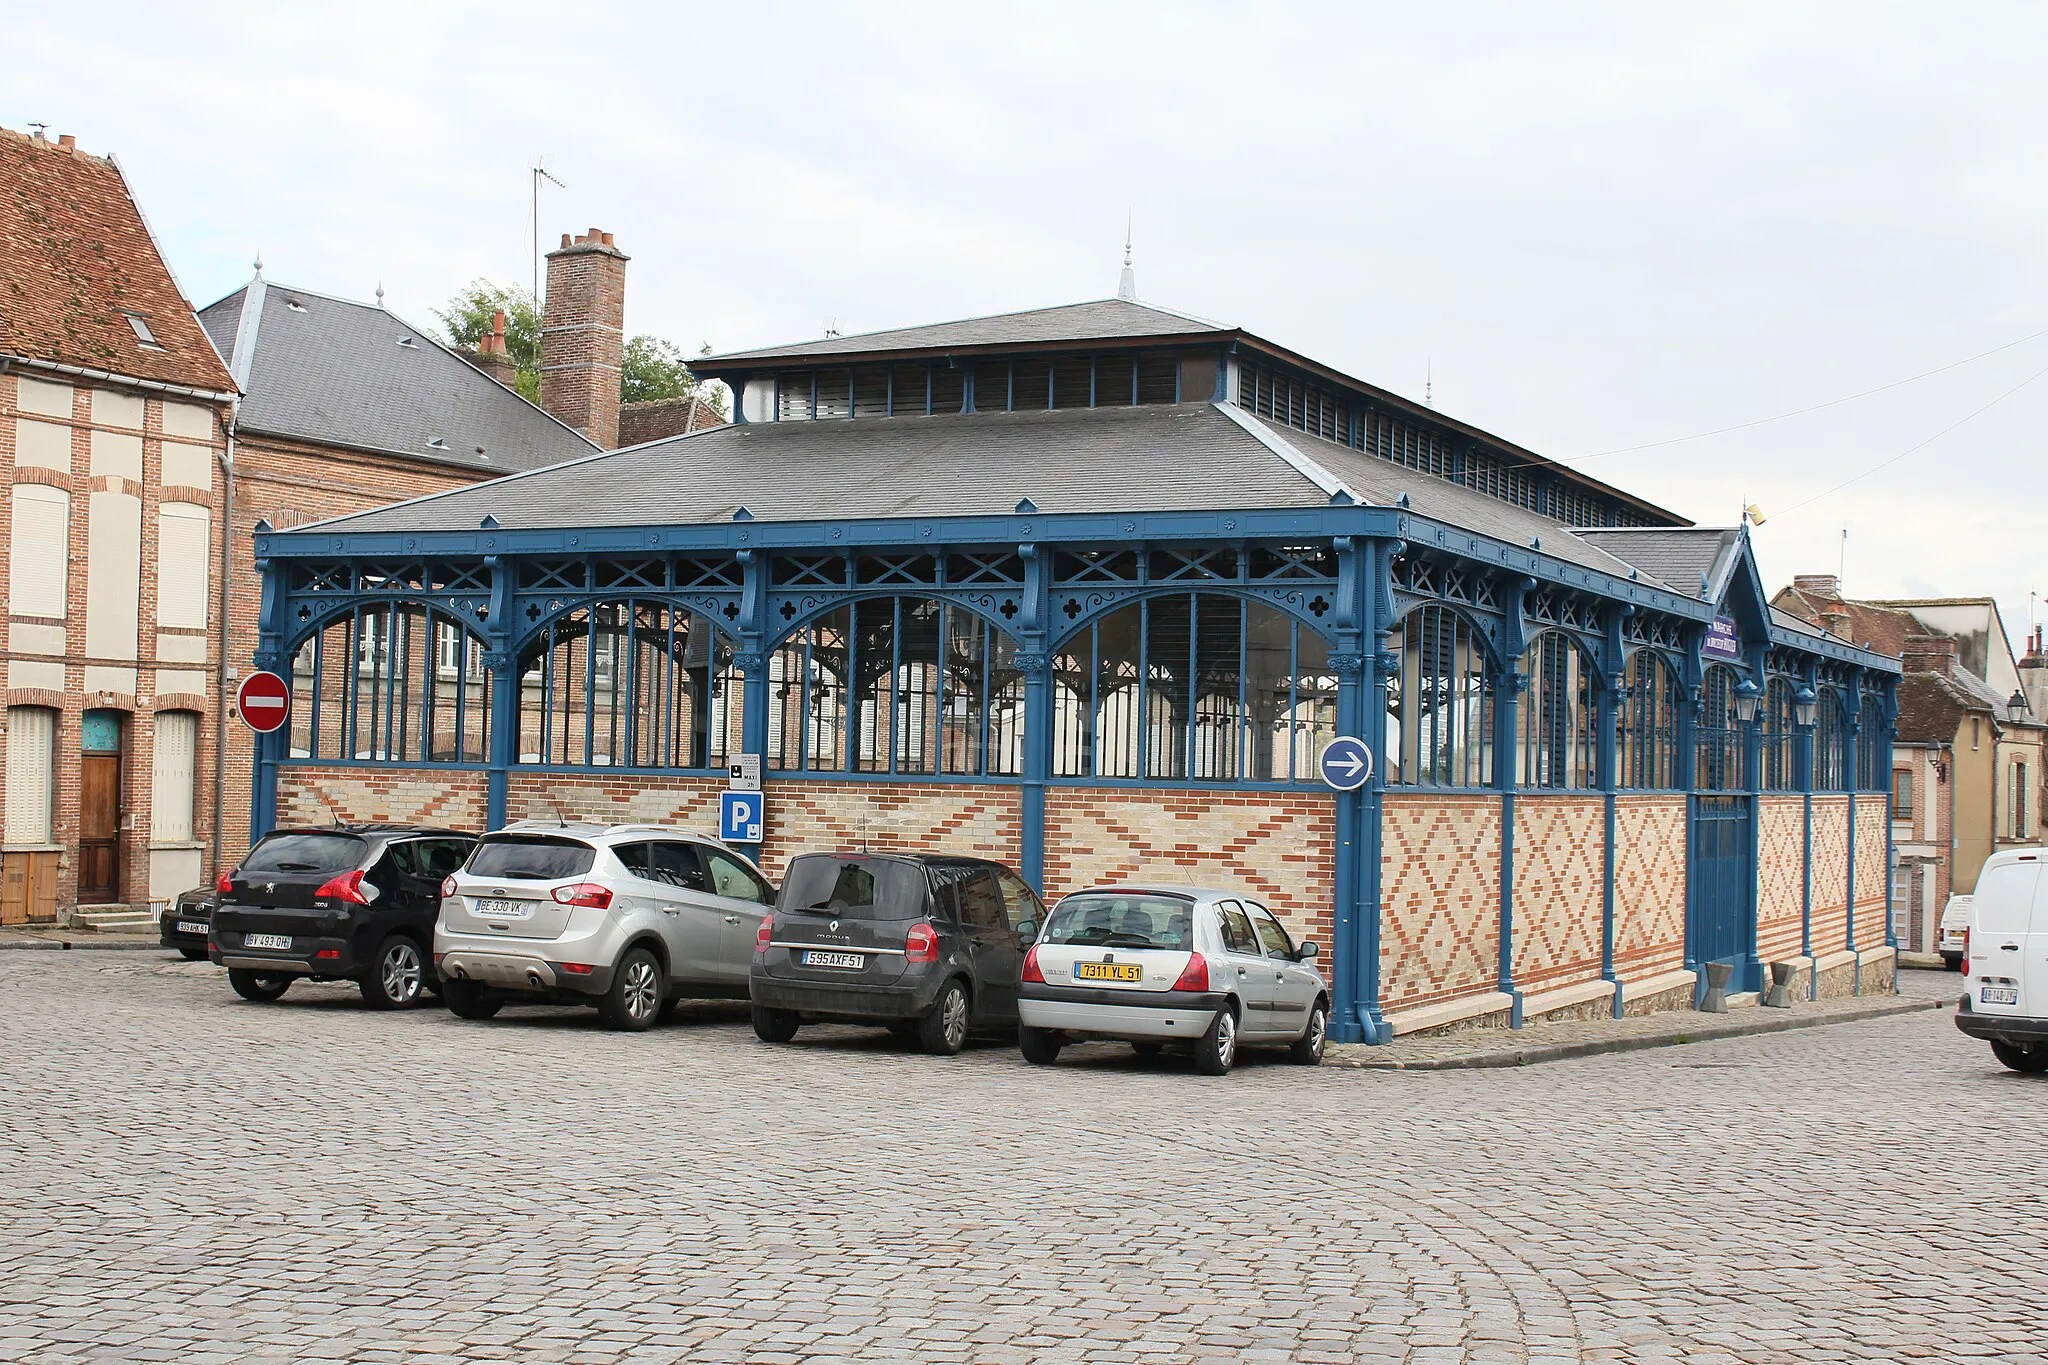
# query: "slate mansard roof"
1066,324
331,372
76,260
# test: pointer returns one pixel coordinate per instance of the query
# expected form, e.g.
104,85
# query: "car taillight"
1966,950
764,935
225,883
921,944
589,895
1194,976
448,886
346,887
1031,970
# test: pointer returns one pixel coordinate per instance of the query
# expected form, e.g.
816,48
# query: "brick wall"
1560,889
1830,873
583,337
1649,885
454,798
1440,897
1873,870
1278,846
1780,877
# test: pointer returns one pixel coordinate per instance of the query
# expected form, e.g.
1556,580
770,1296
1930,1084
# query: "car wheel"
775,1026
2018,1058
1217,1049
396,980
943,1030
1041,1046
192,954
258,985
467,1000
1308,1049
634,1001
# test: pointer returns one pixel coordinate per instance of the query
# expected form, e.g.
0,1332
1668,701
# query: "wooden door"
99,829
28,887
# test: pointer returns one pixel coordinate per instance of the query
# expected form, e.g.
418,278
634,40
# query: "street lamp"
1747,694
2016,708
1806,705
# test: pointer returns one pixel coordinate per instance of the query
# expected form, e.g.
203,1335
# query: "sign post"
264,702
1346,763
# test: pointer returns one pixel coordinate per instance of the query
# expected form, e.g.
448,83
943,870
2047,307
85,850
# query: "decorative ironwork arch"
1647,721
1077,606
389,680
1556,739
1440,699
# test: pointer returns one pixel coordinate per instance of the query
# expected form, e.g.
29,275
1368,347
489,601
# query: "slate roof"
332,372
75,257
1677,556
1099,320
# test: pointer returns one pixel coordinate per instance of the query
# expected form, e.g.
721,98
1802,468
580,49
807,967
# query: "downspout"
220,672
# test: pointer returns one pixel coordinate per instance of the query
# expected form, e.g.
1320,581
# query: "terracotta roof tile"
75,258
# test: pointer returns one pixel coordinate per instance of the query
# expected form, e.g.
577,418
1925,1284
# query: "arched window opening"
1873,757
1781,768
897,685
392,683
1831,743
1554,741
1198,686
1647,724
1717,739
1439,703
633,683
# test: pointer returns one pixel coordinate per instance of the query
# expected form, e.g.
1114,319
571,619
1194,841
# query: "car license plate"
1108,971
1999,995
266,940
817,959
497,909
186,926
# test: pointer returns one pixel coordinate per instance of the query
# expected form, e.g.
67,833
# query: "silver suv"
629,918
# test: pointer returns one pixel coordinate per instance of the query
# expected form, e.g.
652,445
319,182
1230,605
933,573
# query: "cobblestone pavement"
192,1178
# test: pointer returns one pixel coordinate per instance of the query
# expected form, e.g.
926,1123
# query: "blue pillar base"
1514,1006
1366,1025
1620,999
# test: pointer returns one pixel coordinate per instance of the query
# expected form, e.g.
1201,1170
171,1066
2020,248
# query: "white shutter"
31,773
41,551
182,560
177,740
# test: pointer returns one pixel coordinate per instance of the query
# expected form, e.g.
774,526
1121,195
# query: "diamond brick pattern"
1440,891
324,796
1649,885
1278,846
1872,870
1780,877
684,802
891,817
1560,884
1830,873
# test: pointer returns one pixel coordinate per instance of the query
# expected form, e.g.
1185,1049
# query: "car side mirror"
1307,951
1027,930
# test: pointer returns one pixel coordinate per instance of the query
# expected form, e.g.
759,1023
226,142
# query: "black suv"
929,945
184,925
341,903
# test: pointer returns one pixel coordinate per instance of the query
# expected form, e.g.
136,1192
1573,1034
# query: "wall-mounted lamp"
1747,694
2016,708
1806,705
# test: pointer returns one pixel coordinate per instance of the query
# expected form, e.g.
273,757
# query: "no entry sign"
263,701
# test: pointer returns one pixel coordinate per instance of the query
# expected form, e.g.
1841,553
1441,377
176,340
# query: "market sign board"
1724,641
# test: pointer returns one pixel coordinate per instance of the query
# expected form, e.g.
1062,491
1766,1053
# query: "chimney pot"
66,140
565,241
583,336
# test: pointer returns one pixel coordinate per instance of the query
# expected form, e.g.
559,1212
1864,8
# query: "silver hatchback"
1156,966
629,918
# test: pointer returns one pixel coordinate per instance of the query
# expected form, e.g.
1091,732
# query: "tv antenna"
540,173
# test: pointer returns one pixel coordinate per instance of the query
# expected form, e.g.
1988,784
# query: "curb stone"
1705,1033
67,943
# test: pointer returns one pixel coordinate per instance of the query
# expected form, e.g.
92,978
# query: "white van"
2005,971
1955,930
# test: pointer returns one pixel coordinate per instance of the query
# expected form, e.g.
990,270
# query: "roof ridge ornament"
1026,506
743,514
1127,284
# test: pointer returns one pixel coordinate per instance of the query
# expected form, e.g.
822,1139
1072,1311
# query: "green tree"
652,369
469,317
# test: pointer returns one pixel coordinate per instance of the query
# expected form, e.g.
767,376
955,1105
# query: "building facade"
1090,589
113,414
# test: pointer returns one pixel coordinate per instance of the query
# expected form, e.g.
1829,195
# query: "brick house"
114,410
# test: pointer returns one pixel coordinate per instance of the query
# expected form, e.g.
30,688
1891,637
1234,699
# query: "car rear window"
854,888
530,858
1122,921
305,853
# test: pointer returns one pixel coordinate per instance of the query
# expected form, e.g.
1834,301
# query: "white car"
2006,974
1157,966
1955,930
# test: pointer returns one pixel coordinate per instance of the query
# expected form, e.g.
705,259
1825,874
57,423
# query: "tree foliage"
652,368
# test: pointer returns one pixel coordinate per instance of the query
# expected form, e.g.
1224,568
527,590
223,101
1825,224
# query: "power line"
1800,412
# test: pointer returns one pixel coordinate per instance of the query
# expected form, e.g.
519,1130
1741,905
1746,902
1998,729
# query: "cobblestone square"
189,1177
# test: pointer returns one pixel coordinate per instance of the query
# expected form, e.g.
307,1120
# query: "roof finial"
1127,287
380,293
259,265
1429,382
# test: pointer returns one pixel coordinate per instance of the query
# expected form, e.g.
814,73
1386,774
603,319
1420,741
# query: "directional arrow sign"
1347,763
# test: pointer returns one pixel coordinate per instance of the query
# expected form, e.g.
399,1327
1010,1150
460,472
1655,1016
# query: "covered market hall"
1089,589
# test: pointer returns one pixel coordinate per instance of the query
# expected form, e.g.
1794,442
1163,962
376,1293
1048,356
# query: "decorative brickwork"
1830,874
635,799
891,817
1278,846
1560,887
1440,898
1873,874
1780,877
428,796
1649,885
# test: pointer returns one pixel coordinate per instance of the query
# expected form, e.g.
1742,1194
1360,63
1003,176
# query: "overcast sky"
1597,227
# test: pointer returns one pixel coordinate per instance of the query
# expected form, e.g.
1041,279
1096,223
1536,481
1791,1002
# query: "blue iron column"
1507,701
1852,705
503,668
1805,759
270,626
751,658
1613,676
1349,1021
1752,756
1376,617
1036,665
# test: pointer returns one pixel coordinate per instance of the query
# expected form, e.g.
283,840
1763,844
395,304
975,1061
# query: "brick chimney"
1818,585
491,356
583,335
1930,654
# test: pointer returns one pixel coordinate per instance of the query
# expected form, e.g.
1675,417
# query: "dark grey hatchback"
929,945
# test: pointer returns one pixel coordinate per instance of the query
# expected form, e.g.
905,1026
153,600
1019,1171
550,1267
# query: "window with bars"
369,686
1780,751
1554,723
1902,794
1717,738
1646,740
1439,703
2017,802
636,683
1027,384
1831,743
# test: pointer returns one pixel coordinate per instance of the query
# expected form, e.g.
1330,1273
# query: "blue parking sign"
740,817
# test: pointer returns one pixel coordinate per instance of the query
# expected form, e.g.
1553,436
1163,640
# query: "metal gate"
1721,906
